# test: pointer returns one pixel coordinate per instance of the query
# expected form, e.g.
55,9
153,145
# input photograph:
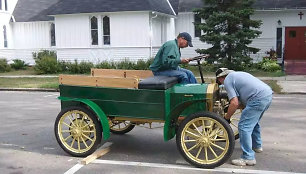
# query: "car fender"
98,111
169,128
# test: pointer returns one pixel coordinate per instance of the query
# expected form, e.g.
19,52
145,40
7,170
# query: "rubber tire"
123,131
223,123
97,126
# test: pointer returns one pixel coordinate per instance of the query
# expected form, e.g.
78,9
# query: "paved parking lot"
28,145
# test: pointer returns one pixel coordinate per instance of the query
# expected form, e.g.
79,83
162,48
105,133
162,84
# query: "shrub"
46,62
18,64
125,64
74,67
42,54
4,67
268,65
46,65
63,66
141,65
85,67
106,65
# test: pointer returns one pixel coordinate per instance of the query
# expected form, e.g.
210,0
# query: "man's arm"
233,106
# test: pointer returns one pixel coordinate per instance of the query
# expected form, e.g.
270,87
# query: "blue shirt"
245,86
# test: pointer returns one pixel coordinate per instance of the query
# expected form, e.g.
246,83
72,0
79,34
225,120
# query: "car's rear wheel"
120,127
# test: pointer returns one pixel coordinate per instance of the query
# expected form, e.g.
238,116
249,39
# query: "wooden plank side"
141,74
77,80
117,82
80,80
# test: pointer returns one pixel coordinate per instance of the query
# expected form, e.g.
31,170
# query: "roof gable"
40,10
93,6
33,10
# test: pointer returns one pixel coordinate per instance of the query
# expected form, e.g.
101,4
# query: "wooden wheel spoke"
84,142
89,125
79,146
197,156
189,141
66,131
206,156
67,137
212,150
196,128
71,145
87,137
90,131
216,140
193,147
67,125
217,146
71,120
193,134
211,127
215,132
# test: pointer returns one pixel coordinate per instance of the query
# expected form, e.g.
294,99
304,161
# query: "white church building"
98,30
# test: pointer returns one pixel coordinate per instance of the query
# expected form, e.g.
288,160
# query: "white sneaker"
258,150
243,162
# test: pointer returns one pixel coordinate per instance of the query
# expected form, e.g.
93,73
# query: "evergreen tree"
227,27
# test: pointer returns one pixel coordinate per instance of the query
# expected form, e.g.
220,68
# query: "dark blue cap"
187,37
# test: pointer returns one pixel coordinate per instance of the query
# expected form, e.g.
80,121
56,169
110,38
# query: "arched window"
106,31
94,30
5,5
5,36
52,34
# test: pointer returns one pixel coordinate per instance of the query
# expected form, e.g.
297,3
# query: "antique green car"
117,100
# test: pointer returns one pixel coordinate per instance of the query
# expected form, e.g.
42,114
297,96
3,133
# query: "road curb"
30,89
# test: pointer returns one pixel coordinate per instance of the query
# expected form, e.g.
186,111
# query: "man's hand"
184,61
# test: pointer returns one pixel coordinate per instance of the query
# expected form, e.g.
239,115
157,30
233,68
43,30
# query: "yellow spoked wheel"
205,140
78,131
120,127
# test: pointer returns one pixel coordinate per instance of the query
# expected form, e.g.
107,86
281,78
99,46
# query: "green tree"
228,28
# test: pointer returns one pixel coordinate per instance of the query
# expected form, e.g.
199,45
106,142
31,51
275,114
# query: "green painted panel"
136,103
189,92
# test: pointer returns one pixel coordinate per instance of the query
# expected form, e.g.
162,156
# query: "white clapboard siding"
130,29
163,30
101,54
31,35
72,31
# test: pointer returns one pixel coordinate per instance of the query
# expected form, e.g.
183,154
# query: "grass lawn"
25,82
28,71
